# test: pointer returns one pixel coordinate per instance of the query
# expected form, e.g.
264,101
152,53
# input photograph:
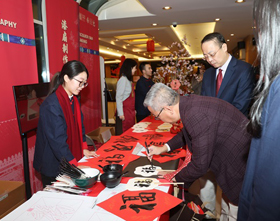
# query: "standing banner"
89,55
62,31
18,67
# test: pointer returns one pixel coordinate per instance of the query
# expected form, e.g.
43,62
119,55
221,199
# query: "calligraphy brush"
68,169
148,153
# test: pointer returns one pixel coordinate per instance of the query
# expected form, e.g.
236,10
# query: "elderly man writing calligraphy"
214,132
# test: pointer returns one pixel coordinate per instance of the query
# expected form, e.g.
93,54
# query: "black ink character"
137,207
119,147
143,183
171,154
157,143
144,197
126,139
148,169
153,136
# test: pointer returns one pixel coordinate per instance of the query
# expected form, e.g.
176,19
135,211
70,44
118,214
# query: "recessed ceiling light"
217,19
231,34
228,40
239,1
166,8
154,24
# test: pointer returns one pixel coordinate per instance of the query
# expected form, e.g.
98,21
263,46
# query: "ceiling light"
228,40
154,24
239,1
231,34
166,8
217,19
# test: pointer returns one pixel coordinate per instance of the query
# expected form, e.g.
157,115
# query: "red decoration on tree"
116,72
150,45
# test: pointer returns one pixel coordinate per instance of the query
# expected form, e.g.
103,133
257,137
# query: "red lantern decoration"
150,45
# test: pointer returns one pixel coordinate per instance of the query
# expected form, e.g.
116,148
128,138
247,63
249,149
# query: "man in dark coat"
143,85
214,132
238,79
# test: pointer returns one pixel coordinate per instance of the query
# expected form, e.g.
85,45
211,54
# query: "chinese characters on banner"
63,33
64,41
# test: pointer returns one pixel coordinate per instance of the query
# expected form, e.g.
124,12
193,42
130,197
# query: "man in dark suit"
143,85
237,80
215,133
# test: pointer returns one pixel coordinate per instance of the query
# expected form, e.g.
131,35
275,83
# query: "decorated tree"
177,67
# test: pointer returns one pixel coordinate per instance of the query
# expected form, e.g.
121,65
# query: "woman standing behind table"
260,195
60,130
125,97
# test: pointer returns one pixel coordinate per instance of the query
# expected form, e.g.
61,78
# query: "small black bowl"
113,167
111,179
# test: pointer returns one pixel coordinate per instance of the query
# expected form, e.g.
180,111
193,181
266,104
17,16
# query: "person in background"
260,194
215,133
125,97
60,132
143,85
235,77
197,81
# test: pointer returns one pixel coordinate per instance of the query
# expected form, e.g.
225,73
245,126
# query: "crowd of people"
230,123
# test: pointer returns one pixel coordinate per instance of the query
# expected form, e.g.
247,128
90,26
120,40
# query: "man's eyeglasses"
157,117
82,84
211,55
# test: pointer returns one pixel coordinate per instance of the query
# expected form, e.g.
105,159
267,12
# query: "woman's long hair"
71,69
126,68
267,35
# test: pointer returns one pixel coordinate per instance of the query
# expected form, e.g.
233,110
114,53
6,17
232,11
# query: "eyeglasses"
82,84
211,55
157,117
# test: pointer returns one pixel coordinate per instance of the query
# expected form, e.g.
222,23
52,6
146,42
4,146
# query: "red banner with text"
18,67
89,55
63,35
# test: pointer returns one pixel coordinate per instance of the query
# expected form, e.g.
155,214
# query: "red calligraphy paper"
156,204
104,160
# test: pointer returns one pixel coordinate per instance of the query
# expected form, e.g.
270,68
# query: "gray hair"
159,96
267,34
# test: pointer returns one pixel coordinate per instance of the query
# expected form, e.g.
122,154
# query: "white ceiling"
195,19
